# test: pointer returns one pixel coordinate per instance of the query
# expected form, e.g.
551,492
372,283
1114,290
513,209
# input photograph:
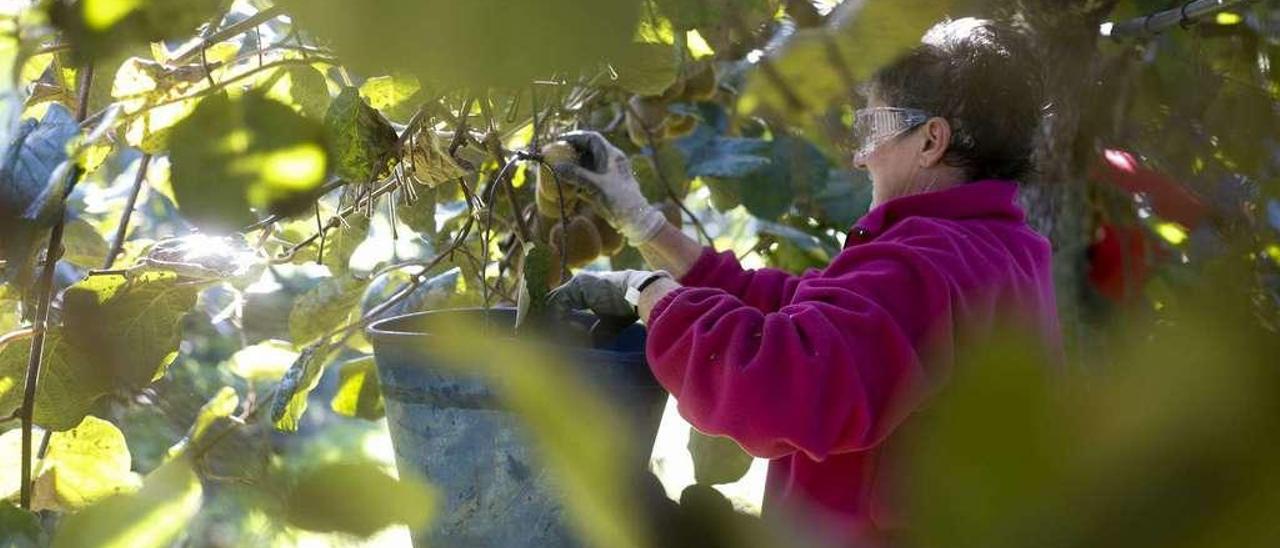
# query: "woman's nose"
860,161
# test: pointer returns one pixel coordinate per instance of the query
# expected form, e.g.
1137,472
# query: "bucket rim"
378,332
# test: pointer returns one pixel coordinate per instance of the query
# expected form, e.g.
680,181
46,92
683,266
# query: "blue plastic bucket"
451,428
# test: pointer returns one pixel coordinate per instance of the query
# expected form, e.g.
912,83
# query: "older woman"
815,371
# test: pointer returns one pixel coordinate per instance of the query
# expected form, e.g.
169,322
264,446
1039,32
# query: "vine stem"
662,176
138,180
230,31
44,288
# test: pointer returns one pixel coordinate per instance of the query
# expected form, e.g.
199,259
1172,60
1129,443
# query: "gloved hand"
604,293
611,186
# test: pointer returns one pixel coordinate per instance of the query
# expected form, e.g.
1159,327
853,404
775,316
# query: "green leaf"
81,466
298,382
716,459
20,528
220,406
266,360
255,152
844,198
359,394
340,244
392,95
99,28
83,245
646,69
324,307
430,161
795,164
420,215
363,141
29,202
130,326
504,43
70,382
536,280
654,184
302,87
357,498
727,157
88,463
138,87
118,335
154,516
796,249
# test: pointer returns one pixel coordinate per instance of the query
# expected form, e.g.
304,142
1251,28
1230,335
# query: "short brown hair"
982,77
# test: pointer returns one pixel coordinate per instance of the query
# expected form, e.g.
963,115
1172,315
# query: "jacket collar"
989,199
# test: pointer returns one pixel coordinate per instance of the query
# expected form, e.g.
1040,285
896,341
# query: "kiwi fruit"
701,83
611,241
581,238
559,152
673,214
678,125
547,195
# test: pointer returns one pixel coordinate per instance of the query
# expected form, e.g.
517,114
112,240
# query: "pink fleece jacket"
815,371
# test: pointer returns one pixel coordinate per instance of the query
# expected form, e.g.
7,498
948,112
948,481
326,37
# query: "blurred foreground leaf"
257,152
1175,443
716,459
356,498
99,28
579,435
471,44
156,515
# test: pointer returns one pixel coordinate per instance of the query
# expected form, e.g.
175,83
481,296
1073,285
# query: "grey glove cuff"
633,292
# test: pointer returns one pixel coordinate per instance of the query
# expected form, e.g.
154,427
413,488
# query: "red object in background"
1168,199
1121,260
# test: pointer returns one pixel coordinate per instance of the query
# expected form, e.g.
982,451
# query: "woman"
814,372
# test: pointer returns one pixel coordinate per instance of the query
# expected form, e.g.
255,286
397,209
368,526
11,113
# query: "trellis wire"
1161,21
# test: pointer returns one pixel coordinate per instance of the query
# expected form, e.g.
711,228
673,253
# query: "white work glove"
607,294
610,185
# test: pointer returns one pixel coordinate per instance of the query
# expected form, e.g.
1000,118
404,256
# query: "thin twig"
44,290
15,335
335,221
230,31
662,176
118,243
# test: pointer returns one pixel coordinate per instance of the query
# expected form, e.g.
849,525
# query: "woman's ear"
937,139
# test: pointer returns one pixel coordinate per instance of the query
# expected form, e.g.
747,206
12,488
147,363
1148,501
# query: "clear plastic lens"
875,126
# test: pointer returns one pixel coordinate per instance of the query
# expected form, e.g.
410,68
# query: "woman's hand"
608,182
607,294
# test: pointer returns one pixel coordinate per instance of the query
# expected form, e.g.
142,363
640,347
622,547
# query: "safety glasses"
876,126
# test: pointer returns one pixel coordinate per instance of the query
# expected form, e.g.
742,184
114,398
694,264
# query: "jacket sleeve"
765,288
833,371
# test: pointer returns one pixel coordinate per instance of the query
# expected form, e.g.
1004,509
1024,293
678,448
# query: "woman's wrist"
653,293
